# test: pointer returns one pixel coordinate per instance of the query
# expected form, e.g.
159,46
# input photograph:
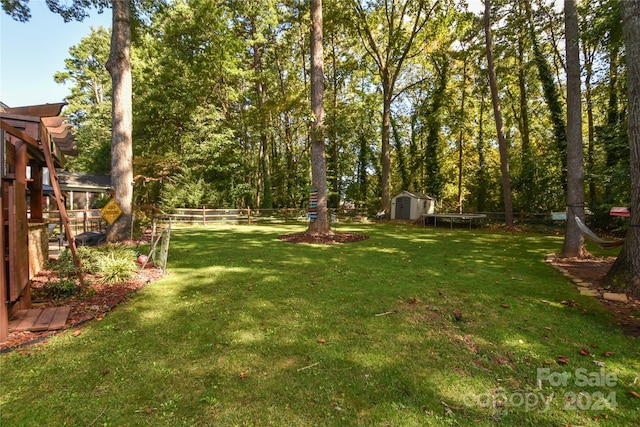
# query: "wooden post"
204,216
4,307
36,193
248,214
44,144
84,219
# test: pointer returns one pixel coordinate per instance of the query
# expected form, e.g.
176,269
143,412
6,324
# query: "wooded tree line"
221,104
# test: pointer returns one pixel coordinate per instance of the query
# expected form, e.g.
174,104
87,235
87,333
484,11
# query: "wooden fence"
247,216
83,220
80,220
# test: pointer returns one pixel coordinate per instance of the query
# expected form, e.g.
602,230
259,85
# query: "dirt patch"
323,239
591,271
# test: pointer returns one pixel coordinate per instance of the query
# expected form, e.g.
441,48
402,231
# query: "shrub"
61,288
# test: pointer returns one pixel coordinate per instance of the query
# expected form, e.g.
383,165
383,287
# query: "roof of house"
83,182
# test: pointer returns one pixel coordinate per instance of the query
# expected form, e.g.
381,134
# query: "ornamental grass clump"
112,263
115,263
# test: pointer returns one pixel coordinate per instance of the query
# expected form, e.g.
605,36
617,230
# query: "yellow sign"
111,211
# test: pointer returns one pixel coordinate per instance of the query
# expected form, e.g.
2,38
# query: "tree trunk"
502,143
588,99
625,273
318,161
461,135
528,174
385,160
334,198
119,66
573,242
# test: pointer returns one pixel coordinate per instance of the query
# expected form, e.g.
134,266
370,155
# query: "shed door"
403,207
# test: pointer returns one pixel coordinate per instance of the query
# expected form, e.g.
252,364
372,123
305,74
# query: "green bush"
63,267
61,288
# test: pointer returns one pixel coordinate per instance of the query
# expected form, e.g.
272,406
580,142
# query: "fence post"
84,219
248,214
204,216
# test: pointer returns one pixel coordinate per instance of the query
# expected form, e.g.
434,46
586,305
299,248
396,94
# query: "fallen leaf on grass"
563,360
505,306
584,352
635,394
248,400
608,353
322,341
77,332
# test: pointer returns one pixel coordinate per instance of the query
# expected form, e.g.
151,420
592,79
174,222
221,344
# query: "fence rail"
80,220
205,215
83,220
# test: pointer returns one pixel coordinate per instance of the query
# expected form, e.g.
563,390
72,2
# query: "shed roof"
415,194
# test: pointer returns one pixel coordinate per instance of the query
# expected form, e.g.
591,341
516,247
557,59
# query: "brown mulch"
593,270
92,304
323,239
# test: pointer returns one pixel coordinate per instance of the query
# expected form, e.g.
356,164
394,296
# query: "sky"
32,52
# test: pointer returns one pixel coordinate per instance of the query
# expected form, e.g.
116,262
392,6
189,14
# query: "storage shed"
412,206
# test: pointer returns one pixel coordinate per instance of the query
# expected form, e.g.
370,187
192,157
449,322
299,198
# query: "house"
82,189
411,205
32,139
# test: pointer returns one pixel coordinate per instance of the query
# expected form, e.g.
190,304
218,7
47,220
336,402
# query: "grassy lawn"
412,327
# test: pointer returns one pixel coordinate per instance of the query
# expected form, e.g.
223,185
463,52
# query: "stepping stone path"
584,287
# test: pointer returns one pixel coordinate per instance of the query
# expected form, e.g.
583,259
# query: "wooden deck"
39,319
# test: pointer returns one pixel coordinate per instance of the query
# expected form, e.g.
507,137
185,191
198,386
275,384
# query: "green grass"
230,337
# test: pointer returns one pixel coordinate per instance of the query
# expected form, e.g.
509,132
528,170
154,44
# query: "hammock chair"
604,244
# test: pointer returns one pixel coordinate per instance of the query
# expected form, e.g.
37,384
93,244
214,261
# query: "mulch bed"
323,239
593,270
93,304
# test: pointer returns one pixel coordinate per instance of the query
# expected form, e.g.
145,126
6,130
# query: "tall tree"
119,66
551,93
389,41
573,242
502,143
625,272
319,226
